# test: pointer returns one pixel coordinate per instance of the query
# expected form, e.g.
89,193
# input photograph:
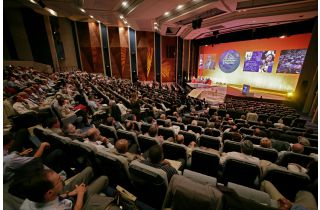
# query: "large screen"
272,63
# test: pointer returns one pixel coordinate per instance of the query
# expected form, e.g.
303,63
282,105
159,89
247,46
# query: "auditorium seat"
196,129
174,151
294,133
172,118
166,132
288,183
225,127
240,172
246,131
302,130
313,142
83,154
253,139
202,124
108,131
116,167
226,136
161,122
291,157
64,121
258,126
231,146
188,137
288,138
145,128
132,140
299,123
287,120
274,118
150,183
181,125
265,154
251,123
200,178
236,121
222,112
145,142
205,162
280,145
263,117
209,142
308,150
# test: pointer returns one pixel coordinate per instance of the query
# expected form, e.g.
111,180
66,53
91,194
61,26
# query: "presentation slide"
272,63
207,61
291,61
259,61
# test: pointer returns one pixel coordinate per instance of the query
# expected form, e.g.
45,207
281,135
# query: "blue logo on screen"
229,61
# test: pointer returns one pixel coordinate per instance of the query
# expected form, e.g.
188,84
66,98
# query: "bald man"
121,148
95,138
297,148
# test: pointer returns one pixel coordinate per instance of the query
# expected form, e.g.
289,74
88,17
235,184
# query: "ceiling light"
124,3
90,16
166,13
206,45
51,11
282,36
98,21
32,1
179,6
155,23
129,26
125,22
121,17
156,27
82,10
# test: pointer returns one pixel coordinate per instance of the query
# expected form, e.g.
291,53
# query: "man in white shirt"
20,106
245,155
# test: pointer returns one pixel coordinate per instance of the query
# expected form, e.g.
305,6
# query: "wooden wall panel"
168,58
119,52
145,55
95,43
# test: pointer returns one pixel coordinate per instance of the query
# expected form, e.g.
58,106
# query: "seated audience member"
110,121
13,159
20,106
303,141
233,129
258,132
121,147
72,132
304,200
54,126
153,132
155,159
279,124
194,123
175,128
96,139
191,146
265,143
163,117
179,119
45,190
251,115
245,155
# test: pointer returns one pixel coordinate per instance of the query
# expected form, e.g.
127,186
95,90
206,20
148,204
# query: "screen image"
255,62
209,61
291,61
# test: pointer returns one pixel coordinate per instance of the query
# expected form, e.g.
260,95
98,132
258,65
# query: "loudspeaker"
196,23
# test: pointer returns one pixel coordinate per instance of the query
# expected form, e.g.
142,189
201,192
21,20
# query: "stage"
216,93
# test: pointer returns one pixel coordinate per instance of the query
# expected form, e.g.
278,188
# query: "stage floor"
216,93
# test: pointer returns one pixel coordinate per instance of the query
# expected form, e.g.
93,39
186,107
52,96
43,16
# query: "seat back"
299,123
226,136
145,142
172,118
145,128
188,137
274,118
174,151
253,139
240,172
263,117
181,125
83,154
196,129
308,150
246,131
199,177
209,142
291,157
205,162
161,122
165,132
116,167
231,146
288,183
265,154
150,183
202,123
131,137
108,131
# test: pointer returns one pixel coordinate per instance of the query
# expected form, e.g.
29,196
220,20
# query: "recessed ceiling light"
90,16
51,11
32,1
98,21
179,6
125,22
124,3
155,23
206,45
121,17
282,36
166,13
82,10
156,27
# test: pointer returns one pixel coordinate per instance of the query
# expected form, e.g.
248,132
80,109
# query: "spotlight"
32,1
124,3
91,16
121,17
82,10
179,6
51,11
166,13
282,36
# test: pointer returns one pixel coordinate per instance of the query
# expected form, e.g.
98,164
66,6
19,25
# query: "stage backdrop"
272,63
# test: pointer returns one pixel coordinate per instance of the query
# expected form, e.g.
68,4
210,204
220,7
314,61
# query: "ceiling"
175,17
